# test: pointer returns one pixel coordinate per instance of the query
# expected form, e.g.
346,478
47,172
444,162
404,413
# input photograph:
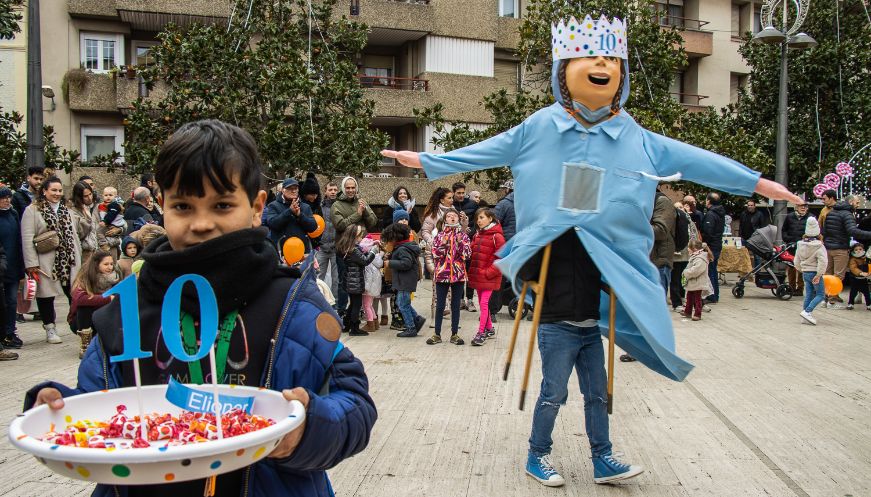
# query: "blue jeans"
562,348
403,301
813,294
713,274
664,278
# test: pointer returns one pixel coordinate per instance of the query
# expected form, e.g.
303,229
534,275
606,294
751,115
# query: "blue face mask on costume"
592,116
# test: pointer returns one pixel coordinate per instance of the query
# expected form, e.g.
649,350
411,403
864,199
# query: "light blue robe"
617,233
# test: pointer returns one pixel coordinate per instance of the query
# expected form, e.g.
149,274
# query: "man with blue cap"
585,174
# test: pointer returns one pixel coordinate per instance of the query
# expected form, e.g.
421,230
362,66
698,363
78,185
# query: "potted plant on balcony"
129,71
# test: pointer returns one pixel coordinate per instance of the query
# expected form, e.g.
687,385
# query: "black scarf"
238,265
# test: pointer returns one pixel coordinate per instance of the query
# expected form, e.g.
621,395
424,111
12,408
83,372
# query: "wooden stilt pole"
518,316
612,316
537,287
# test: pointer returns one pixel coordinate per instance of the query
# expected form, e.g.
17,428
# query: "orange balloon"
320,229
833,285
293,250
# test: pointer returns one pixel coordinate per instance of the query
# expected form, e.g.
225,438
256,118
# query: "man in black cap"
288,217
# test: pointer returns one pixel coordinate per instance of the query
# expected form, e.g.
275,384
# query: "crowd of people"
75,246
371,265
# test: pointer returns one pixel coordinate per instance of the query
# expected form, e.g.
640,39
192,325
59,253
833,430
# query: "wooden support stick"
612,316
536,318
518,316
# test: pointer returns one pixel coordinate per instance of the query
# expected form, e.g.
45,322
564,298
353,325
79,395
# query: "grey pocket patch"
581,187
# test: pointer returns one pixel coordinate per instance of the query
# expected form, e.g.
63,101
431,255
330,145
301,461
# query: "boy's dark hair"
458,185
85,177
213,150
831,194
396,232
35,170
145,178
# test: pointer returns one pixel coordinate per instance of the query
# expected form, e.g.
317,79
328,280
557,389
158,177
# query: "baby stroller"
770,273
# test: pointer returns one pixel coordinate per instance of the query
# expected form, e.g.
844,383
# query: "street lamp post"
787,37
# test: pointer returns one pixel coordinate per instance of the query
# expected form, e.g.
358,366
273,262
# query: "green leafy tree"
13,142
306,114
829,92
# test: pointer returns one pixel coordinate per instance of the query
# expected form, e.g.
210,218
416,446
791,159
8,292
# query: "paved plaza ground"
773,408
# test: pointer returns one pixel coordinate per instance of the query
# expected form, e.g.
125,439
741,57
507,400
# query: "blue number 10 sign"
169,318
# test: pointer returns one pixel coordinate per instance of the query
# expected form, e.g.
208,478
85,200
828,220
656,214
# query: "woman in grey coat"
81,208
54,269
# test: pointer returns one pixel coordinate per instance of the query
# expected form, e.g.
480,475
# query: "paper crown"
573,39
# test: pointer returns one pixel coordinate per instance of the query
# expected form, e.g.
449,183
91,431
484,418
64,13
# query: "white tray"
160,463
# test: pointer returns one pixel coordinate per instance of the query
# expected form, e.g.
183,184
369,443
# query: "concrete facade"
420,52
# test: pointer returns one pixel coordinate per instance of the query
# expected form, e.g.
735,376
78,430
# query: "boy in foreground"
285,336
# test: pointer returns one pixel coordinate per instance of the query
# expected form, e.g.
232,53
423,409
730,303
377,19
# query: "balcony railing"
682,22
413,84
689,98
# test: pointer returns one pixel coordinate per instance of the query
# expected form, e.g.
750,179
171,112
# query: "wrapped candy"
123,432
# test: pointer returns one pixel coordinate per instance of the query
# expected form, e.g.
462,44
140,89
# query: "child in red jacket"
99,274
483,275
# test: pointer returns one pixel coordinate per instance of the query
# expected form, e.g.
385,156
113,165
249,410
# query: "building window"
675,88
101,51
670,13
745,17
101,140
142,53
736,83
509,8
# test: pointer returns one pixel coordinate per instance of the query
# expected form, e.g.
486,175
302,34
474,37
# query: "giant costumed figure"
585,175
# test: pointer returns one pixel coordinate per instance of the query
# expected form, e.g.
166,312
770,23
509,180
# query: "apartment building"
420,52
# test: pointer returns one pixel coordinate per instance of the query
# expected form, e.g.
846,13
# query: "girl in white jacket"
811,260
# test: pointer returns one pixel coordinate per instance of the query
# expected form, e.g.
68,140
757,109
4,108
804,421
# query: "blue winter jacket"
283,223
10,237
340,413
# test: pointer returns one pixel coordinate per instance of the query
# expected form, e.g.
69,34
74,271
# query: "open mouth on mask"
599,79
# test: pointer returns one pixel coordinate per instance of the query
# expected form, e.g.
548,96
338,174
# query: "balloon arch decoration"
849,177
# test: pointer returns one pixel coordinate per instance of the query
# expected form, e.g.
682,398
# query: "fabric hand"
776,191
405,157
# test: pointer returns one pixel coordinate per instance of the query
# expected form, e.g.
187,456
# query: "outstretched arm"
701,166
497,151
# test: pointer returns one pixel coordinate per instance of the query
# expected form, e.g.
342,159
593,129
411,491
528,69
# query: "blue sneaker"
607,469
542,470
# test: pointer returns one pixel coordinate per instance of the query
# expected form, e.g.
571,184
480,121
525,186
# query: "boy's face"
593,81
108,196
190,220
131,250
